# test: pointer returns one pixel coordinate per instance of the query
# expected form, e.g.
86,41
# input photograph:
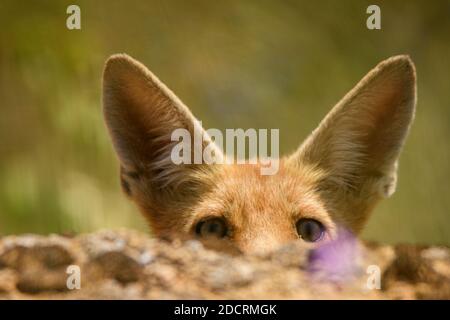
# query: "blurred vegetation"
261,64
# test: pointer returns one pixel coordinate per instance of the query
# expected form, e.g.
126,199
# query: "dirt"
126,264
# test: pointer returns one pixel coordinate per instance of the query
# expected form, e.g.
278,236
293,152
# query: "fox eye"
213,227
310,230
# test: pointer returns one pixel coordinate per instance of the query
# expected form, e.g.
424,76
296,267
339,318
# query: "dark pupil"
212,227
310,230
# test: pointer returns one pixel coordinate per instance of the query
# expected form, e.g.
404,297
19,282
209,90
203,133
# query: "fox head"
332,181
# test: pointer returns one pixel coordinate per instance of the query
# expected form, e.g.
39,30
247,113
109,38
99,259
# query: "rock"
130,265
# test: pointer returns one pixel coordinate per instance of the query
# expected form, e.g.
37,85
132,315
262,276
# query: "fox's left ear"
142,114
358,143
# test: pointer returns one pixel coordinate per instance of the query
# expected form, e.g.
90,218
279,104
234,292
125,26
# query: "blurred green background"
259,64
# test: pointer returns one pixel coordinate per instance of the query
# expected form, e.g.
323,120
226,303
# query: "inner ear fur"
141,113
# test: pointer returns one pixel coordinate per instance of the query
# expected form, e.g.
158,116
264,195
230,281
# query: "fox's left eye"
310,230
213,227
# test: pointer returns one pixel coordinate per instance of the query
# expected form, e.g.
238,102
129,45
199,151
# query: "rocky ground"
130,265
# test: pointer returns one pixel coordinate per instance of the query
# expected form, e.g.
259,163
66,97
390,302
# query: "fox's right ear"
141,113
358,143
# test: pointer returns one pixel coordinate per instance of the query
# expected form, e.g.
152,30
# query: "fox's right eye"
213,227
310,230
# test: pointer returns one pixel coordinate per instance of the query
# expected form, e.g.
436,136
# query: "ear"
141,114
358,143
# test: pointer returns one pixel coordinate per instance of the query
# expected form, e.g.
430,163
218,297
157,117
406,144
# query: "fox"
331,182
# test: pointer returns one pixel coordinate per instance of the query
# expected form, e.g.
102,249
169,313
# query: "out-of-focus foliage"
261,64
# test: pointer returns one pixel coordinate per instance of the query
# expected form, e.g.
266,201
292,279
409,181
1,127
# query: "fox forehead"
247,199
